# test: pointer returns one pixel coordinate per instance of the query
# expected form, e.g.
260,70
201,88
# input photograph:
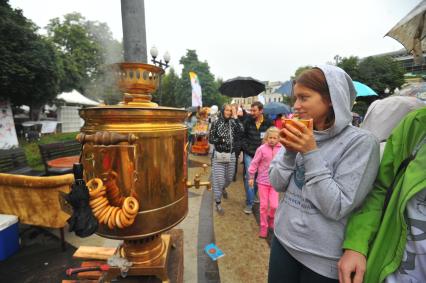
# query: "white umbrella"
411,31
384,114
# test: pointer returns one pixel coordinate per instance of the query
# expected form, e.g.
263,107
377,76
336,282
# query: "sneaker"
219,209
263,232
256,199
225,194
248,209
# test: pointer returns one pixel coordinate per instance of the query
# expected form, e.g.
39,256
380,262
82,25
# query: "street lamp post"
164,65
387,91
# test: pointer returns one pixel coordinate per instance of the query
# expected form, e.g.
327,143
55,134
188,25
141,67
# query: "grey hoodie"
323,187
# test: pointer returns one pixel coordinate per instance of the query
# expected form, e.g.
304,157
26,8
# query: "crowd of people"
348,213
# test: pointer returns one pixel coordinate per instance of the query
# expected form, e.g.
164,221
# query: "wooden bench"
56,150
14,161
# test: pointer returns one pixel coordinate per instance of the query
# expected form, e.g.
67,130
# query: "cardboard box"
9,235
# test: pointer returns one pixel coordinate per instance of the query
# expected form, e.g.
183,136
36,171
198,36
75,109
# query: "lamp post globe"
154,52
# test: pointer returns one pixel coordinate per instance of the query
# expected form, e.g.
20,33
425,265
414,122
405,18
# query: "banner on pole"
8,138
196,90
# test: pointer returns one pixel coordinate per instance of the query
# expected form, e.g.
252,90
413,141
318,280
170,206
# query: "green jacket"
384,242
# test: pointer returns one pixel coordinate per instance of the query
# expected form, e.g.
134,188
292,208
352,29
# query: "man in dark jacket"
254,131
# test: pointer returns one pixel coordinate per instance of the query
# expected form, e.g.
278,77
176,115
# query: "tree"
300,70
86,47
337,58
103,84
29,68
169,88
79,52
380,73
219,98
208,84
350,65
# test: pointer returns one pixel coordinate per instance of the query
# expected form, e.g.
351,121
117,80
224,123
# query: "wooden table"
64,162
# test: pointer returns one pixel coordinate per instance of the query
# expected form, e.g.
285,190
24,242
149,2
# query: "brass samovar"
138,150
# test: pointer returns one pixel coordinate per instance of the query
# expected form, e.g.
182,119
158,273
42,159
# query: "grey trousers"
222,174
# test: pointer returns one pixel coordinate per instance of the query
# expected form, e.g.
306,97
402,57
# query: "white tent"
74,97
68,114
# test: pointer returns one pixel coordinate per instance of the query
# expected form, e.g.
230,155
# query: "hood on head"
343,94
222,112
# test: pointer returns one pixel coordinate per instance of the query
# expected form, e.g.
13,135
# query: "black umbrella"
275,108
82,220
242,87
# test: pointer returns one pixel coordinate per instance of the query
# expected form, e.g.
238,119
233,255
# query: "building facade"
269,95
407,61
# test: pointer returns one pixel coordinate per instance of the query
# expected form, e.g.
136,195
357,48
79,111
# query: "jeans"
283,268
250,192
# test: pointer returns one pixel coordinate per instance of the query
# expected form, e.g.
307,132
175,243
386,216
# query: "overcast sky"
267,39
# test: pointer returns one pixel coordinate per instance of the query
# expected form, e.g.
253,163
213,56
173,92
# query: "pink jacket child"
261,161
267,194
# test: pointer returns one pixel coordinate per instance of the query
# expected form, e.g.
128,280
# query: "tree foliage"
103,85
79,52
76,54
86,48
176,91
350,65
378,73
29,73
300,70
166,96
208,84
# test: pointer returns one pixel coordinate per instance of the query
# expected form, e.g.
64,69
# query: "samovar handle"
106,138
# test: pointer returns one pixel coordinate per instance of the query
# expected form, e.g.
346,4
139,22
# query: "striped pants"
222,174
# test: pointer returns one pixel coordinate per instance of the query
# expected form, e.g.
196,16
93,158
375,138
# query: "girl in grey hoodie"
325,172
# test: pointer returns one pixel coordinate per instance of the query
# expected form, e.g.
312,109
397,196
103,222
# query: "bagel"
127,215
131,205
94,183
102,213
104,220
117,219
113,191
111,220
124,220
99,207
94,193
96,202
98,193
131,221
98,213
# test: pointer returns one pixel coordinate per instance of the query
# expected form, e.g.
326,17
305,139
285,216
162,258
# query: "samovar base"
148,258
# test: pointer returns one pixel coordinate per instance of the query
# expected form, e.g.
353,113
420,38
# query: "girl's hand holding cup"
297,135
